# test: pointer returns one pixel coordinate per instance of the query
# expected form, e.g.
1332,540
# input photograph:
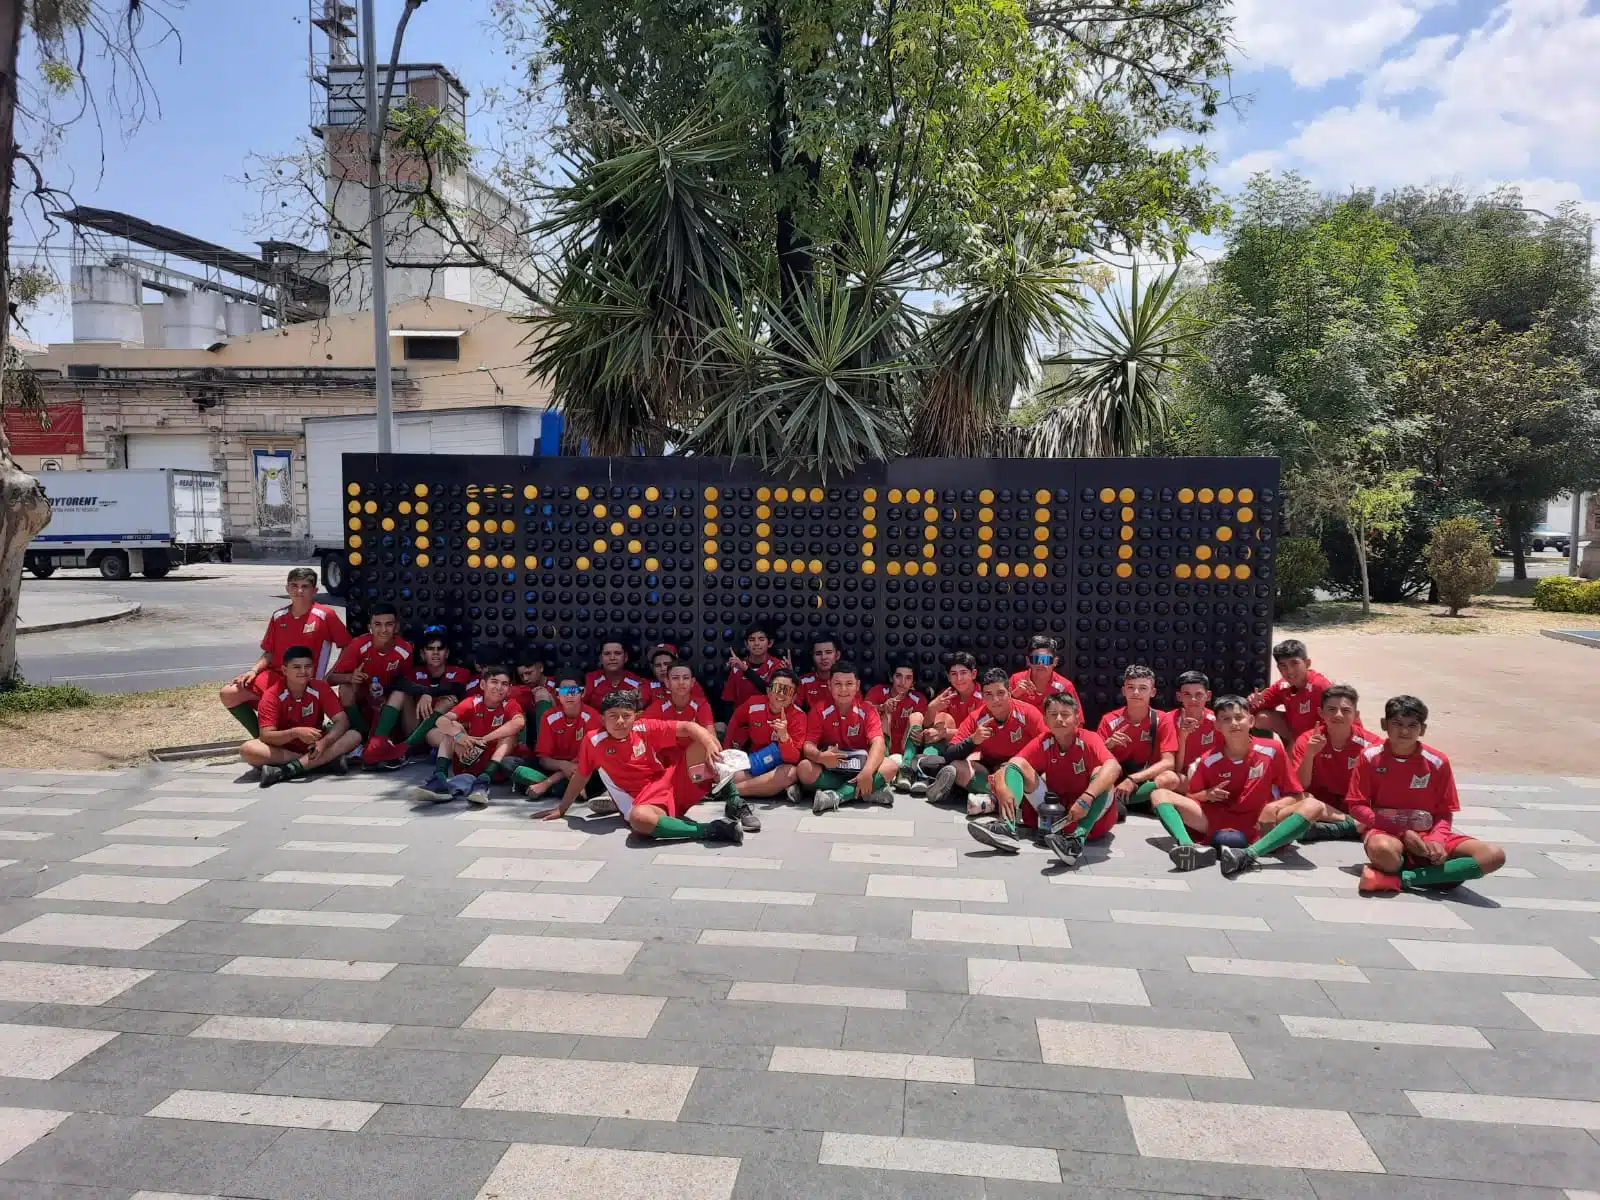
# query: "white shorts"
623,800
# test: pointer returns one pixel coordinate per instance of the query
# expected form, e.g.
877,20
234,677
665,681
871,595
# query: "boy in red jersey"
661,660
767,727
814,691
557,742
897,701
293,739
1040,680
1195,726
1402,794
749,675
1237,791
475,735
304,623
366,671
986,741
612,675
426,693
1143,739
532,689
1323,757
935,726
844,754
1289,707
1063,779
627,755
679,704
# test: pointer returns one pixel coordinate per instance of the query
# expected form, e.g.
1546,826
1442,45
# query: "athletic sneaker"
980,805
602,806
1330,831
1188,857
1376,881
1122,810
919,788
724,831
383,754
826,800
738,809
793,794
942,783
997,834
901,783
270,775
1067,847
883,797
340,763
436,790
1233,861
478,797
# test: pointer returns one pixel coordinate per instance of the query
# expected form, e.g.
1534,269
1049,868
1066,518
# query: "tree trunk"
1517,526
1366,583
23,508
792,246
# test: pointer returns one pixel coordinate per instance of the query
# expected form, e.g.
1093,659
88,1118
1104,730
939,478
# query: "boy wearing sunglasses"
561,731
1040,680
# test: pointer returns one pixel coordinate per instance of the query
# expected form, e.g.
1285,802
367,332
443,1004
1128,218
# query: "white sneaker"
602,806
980,806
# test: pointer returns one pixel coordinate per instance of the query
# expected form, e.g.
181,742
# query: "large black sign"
1168,562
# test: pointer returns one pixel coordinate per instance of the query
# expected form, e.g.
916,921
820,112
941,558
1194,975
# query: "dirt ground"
116,730
1492,614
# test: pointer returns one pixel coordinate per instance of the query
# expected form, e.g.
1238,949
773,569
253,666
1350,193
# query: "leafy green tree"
1461,563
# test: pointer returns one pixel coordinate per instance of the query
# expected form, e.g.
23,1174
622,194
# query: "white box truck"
120,522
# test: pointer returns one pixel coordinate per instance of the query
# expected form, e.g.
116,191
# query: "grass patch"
19,697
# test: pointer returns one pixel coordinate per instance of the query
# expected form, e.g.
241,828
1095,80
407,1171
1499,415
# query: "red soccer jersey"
850,729
479,720
279,709
318,631
1253,782
739,687
596,687
814,695
656,690
529,698
382,666
1300,705
1330,772
452,681
1023,689
1021,725
633,761
1394,794
750,728
698,711
559,735
1066,768
900,715
1150,738
962,707
1197,743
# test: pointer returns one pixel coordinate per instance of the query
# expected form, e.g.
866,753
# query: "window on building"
436,348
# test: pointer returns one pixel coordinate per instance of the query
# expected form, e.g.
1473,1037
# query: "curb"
202,750
1577,637
117,614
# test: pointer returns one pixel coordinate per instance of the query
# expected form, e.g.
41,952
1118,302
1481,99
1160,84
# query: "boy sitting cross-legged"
844,755
1323,758
1289,707
987,740
293,739
474,736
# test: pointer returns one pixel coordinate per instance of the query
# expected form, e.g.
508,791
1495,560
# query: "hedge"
1563,593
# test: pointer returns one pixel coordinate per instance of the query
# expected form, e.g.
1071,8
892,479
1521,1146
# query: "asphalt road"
200,623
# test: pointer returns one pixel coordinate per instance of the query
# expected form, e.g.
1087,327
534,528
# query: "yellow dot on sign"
711,546
616,529
473,543
1205,495
1241,572
1042,515
652,494
869,567
1044,551
472,508
635,512
782,495
985,533
1225,495
894,495
985,551
354,489
763,566
1127,533
423,560
405,507
763,493
370,506
764,512
1127,514
797,565
1126,495
491,527
912,568
473,527
354,506
1202,552
1246,495
491,562
1042,496
1223,571
1124,570
421,489
530,492
355,522
651,564
1185,495
711,564
870,495
763,547
635,545
422,507
388,523
599,545
780,565
355,541
712,494
1224,534
1002,569
422,526
530,563
868,513
600,510
930,514
583,564
815,566
816,495
893,567
1182,571
1202,572
422,543
763,530
1041,535
582,493
473,560
711,512
355,558
986,515
1246,515
983,568
508,527
986,497
1107,495
929,532
927,552
913,496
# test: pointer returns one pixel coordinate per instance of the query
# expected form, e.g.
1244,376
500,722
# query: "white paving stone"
122,889
287,1112
332,878
321,918
533,870
532,1172
1574,862
1055,981
540,906
36,810
862,1064
1557,806
1477,812
1030,1164
867,827
1481,958
22,835
524,839
90,932
1261,968
581,956
294,1031
1400,911
1507,788
157,827
1547,904
61,983
598,1014
578,1087
819,993
303,847
193,804
1393,1033
51,789
719,862
1140,1048
938,926
745,896
1077,879
1251,1134
1581,781
1555,1013
894,856
192,784
1513,836
44,1051
135,854
1506,1110
336,819
22,1127
935,887
349,971
1322,877
764,939
1189,920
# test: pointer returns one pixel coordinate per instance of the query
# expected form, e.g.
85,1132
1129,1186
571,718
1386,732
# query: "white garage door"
189,451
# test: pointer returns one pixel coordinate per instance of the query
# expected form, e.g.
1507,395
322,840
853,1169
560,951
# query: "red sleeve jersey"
281,709
1066,768
661,709
739,687
1330,772
382,665
633,761
1194,744
1150,738
479,720
1025,691
900,715
850,729
560,735
814,695
319,631
962,707
655,690
1394,794
1253,782
597,687
1299,705
750,728
1021,725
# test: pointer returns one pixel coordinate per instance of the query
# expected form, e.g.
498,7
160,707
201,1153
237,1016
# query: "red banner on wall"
60,431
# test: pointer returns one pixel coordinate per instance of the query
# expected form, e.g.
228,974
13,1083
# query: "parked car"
1551,539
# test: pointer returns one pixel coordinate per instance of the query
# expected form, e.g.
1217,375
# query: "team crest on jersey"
1206,738
498,721
1350,763
310,626
1259,771
638,749
1420,782
1079,766
853,731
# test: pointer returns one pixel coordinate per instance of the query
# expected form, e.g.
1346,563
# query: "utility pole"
380,283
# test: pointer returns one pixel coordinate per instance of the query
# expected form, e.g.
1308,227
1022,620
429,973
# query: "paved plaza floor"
320,992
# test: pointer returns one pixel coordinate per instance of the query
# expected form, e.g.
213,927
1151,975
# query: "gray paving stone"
183,1062
222,995
315,1165
99,1150
753,1024
385,1075
1086,1173
1483,1153
392,1001
749,1143
1553,1065
1018,1116
482,1124
778,1180
804,1102
982,1027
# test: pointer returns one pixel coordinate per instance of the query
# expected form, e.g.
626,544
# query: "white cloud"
1548,195
1321,40
1237,172
1401,75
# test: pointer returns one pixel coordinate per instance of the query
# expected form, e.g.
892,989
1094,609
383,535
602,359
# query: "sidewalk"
40,614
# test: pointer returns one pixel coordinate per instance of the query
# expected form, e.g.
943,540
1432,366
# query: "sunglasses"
569,691
1042,658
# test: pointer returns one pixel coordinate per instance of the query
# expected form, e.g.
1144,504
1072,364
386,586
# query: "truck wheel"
333,574
114,565
42,568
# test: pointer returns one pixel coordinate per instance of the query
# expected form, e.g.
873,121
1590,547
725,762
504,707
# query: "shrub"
19,697
1300,565
1461,562
1562,593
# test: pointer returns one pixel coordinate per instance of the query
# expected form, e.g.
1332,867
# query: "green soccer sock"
539,711
909,750
246,716
1142,793
1345,826
294,769
441,767
357,722
419,735
980,782
526,777
1097,809
673,829
1452,870
1014,784
1173,824
849,792
1281,834
388,717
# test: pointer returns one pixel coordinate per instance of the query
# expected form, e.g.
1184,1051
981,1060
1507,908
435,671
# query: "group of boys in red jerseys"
1246,776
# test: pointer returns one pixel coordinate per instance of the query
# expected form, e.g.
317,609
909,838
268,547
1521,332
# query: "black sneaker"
1067,847
1188,857
339,764
724,831
997,835
435,791
253,775
270,774
1232,860
1122,810
943,783
388,764
738,809
1330,831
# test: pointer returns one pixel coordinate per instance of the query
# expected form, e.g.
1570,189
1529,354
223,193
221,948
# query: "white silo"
106,305
193,320
242,318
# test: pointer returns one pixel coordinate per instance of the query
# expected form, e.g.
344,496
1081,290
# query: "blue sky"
1351,92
